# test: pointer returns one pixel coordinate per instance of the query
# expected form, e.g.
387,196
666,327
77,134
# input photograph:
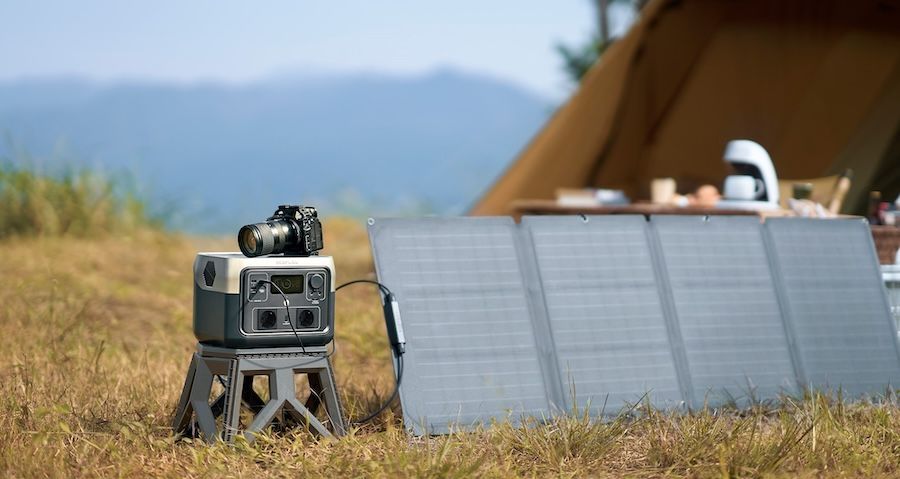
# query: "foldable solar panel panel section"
470,355
604,309
726,307
830,282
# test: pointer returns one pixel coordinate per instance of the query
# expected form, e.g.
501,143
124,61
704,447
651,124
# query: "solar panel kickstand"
236,366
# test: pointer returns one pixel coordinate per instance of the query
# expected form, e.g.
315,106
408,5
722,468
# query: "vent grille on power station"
209,273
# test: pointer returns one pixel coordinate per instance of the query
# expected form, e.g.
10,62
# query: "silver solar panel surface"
828,274
505,321
605,314
726,307
470,353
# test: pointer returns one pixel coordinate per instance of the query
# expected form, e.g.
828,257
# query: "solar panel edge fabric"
541,321
676,342
470,353
836,304
605,315
790,330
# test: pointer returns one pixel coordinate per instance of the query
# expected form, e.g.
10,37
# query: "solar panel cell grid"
828,272
470,345
604,310
726,307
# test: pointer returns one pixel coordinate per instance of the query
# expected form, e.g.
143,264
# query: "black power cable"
397,352
287,310
386,404
284,298
384,289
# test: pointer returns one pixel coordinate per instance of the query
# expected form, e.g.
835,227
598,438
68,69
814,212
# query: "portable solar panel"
834,301
604,310
505,321
726,307
470,355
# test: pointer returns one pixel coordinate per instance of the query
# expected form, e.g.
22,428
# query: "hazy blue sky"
239,41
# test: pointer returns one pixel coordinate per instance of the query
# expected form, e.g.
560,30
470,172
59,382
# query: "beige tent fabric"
815,82
564,153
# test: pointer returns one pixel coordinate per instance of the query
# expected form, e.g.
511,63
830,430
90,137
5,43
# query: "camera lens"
270,237
247,240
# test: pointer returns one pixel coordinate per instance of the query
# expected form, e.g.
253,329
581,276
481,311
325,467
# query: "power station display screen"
289,284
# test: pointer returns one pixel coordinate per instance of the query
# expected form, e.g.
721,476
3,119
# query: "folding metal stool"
237,367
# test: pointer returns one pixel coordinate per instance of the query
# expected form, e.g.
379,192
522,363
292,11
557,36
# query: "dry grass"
95,339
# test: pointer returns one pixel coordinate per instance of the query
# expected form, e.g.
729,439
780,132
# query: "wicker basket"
887,242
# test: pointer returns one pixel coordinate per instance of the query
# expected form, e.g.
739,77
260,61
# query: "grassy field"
95,339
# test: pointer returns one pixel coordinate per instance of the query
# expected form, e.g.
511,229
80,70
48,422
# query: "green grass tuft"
76,202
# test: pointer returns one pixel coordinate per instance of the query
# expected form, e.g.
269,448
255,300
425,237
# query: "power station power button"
316,281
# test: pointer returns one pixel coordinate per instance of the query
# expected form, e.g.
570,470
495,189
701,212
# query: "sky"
242,41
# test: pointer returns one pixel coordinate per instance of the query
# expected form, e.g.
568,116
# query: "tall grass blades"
76,202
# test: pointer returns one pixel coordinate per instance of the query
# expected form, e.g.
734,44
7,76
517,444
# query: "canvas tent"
817,82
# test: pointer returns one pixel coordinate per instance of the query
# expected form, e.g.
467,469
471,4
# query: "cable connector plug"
394,324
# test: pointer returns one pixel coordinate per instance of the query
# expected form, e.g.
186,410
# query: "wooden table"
551,207
886,238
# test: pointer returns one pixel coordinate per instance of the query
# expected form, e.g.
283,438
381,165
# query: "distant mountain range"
221,155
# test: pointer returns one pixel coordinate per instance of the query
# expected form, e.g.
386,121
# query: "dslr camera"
291,230
277,292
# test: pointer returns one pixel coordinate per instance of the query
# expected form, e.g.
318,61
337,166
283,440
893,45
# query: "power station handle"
393,324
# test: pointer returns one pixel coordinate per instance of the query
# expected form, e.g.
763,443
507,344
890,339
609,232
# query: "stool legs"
238,373
184,411
194,399
329,394
234,389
